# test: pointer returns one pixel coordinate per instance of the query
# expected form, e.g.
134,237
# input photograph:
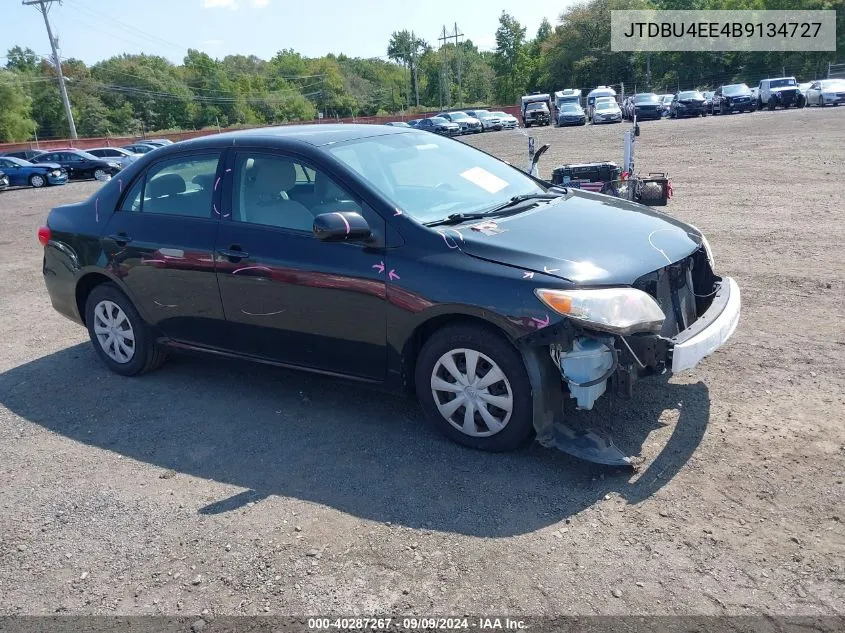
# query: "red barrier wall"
90,142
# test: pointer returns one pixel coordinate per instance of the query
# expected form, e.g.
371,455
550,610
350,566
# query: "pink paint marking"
214,205
120,185
345,221
240,270
527,275
154,261
549,271
541,323
450,242
228,170
216,182
379,267
398,212
392,275
227,215
97,209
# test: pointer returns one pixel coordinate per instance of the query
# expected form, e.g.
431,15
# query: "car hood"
586,238
45,165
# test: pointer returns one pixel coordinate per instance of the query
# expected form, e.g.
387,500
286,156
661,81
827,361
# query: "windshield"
571,107
460,116
607,105
429,178
835,84
690,94
652,98
782,83
16,161
536,106
501,115
86,155
736,89
438,120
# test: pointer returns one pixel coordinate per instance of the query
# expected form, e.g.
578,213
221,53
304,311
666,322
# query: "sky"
92,30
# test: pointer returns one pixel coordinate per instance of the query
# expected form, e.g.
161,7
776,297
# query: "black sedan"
79,164
439,125
646,105
22,173
393,257
688,103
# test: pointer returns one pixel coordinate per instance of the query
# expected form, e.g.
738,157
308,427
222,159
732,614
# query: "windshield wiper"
512,206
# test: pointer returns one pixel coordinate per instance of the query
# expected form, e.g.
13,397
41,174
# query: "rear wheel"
37,181
473,387
120,336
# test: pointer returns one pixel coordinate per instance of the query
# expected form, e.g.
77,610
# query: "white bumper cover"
688,352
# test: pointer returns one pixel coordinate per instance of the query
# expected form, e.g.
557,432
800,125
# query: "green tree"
16,123
511,61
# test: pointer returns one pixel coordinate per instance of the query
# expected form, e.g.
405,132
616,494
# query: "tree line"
131,94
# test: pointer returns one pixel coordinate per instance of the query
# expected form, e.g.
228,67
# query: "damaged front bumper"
633,357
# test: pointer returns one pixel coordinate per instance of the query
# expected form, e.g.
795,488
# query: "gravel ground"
240,489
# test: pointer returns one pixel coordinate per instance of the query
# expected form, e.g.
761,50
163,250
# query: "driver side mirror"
341,226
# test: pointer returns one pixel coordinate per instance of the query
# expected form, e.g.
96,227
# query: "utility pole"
456,35
443,38
414,69
43,7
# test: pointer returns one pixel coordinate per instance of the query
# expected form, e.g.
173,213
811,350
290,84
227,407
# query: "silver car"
607,112
826,92
115,154
509,121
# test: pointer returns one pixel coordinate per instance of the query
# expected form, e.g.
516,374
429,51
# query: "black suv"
733,98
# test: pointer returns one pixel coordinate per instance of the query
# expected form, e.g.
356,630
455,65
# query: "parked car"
158,141
4,181
646,105
733,98
116,154
397,124
79,164
782,91
607,112
665,102
755,93
597,93
688,103
826,92
22,173
571,114
489,121
708,101
468,124
329,278
509,121
414,122
537,113
140,148
439,125
26,154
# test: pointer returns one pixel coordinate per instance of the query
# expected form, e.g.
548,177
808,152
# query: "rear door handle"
121,239
233,253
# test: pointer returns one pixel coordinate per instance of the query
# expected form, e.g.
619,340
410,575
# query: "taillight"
44,235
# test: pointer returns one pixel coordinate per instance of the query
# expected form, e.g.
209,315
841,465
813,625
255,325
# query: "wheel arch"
89,280
426,329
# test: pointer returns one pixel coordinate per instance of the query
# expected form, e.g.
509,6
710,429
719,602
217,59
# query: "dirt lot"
241,489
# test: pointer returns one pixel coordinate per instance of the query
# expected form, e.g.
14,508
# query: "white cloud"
212,42
220,4
259,4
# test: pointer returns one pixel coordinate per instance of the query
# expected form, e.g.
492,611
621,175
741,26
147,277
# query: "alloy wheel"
471,392
114,331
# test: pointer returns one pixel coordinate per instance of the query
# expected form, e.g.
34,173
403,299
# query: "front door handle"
121,239
233,253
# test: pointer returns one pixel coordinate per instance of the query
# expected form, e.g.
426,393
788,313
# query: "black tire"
519,427
147,355
37,181
772,105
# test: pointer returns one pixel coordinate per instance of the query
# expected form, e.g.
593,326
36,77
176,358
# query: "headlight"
615,310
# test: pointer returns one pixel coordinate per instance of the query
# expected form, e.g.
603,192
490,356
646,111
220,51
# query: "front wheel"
37,181
473,387
120,336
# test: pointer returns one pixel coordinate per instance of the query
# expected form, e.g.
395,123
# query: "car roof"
316,134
